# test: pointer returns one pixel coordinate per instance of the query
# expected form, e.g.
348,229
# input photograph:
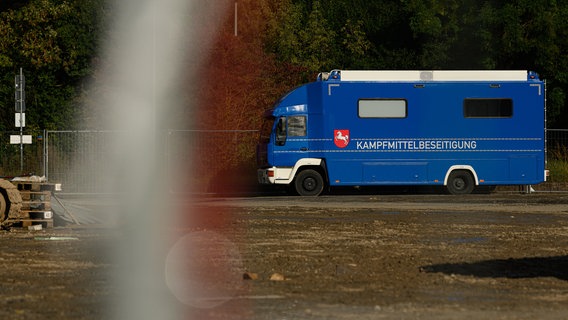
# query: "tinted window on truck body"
488,108
382,108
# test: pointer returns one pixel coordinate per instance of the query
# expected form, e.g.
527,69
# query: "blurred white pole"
155,49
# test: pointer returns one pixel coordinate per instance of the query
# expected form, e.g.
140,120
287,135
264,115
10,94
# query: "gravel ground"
365,256
403,256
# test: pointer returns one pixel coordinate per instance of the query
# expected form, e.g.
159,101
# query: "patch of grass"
558,164
558,171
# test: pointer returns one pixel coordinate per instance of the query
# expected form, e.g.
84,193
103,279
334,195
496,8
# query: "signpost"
20,84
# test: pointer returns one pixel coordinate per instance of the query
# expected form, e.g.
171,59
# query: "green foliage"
320,35
355,42
54,41
304,35
304,40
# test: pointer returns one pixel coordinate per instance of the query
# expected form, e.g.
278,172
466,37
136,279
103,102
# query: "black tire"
4,205
309,183
460,182
11,200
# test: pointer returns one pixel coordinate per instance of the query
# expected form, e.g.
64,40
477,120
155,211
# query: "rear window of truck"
488,108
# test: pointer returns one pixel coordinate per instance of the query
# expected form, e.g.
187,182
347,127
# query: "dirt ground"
60,273
500,256
366,256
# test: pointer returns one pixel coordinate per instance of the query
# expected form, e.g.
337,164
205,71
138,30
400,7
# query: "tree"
428,34
54,42
301,36
309,35
530,35
434,24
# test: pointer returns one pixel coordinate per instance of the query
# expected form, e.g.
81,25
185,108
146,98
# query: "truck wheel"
309,183
460,182
3,205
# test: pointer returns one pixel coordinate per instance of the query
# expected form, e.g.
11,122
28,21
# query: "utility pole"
236,19
20,116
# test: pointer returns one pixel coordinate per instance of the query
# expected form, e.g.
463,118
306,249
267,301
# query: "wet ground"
366,256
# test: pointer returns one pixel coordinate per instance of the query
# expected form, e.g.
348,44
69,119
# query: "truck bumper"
284,175
263,176
275,175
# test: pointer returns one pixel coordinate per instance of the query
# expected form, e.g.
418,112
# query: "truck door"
291,141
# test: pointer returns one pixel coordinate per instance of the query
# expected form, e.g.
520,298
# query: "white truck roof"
433,75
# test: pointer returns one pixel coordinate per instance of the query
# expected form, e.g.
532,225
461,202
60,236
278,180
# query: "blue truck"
459,129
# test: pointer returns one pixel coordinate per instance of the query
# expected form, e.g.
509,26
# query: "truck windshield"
281,131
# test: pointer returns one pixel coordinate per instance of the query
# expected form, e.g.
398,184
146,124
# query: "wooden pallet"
36,205
36,196
24,223
34,186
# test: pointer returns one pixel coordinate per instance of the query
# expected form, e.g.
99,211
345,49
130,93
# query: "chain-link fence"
80,160
221,160
16,159
86,161
556,139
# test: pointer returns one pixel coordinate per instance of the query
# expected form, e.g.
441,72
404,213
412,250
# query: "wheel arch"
468,168
317,164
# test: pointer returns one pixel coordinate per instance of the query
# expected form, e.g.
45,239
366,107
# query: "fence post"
44,162
46,154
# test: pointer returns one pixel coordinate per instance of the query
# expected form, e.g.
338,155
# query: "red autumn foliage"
239,82
239,76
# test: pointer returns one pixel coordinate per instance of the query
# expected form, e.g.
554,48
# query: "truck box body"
359,128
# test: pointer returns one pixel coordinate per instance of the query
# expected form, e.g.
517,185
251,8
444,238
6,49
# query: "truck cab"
284,140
